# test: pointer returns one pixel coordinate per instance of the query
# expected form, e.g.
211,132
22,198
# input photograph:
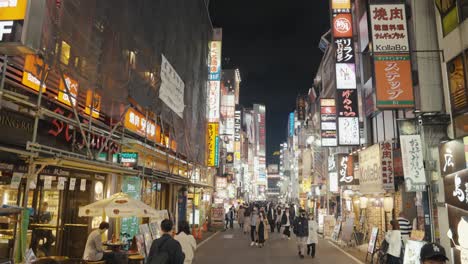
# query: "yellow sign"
73,88
32,73
95,102
341,4
212,144
13,9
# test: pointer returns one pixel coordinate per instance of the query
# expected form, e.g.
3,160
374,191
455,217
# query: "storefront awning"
86,165
201,185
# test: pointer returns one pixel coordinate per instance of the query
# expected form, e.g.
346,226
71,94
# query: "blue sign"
291,124
217,151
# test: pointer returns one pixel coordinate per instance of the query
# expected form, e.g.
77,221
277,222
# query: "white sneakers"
252,244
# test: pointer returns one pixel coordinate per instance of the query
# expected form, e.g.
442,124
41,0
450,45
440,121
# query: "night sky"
275,46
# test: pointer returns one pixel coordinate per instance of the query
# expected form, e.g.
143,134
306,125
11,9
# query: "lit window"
132,59
65,53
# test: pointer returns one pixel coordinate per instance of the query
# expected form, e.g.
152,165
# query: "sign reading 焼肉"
394,85
388,178
413,164
389,28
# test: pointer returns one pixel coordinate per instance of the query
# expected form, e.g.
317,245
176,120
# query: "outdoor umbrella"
117,206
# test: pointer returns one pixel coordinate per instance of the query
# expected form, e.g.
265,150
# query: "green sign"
132,187
128,159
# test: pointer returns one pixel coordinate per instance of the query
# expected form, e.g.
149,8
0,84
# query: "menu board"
132,187
145,231
412,251
348,228
336,231
373,240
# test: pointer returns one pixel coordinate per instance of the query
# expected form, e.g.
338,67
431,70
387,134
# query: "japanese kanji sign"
63,96
452,157
456,189
347,103
345,174
413,165
394,85
342,26
348,131
389,29
388,176
137,123
344,50
212,144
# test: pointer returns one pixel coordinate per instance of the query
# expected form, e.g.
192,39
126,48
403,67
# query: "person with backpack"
166,250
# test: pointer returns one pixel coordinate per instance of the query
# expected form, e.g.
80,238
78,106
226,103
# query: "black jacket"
171,246
284,219
271,211
301,227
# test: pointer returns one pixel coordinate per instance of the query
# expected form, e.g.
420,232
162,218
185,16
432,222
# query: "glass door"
75,228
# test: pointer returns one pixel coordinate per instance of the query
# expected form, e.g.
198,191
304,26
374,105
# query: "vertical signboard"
389,28
291,124
370,170
347,119
261,128
413,163
328,122
345,174
214,77
32,72
212,142
393,82
172,88
388,176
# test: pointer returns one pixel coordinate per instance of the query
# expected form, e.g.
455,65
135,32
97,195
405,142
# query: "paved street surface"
233,247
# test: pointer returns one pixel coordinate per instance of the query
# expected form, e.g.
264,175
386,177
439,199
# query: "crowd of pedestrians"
260,219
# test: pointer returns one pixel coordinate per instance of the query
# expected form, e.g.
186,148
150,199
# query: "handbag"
384,246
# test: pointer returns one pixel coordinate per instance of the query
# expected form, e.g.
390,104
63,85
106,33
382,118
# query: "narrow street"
233,247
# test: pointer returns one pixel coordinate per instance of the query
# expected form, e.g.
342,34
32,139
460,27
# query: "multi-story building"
96,100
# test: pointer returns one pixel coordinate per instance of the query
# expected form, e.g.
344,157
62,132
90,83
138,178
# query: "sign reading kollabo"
128,159
389,29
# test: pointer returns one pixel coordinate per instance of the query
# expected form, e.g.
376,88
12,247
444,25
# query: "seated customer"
94,250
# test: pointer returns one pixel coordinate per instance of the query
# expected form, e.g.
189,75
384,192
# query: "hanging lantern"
388,204
363,202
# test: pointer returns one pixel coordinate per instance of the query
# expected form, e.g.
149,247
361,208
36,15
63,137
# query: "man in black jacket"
166,247
301,230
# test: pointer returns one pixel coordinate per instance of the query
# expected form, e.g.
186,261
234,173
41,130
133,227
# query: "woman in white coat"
187,242
312,239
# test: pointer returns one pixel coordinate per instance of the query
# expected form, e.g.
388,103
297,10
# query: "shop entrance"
75,229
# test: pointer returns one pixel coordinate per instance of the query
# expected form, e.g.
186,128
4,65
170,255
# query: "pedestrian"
226,220
262,228
241,217
286,221
271,217
166,249
253,226
433,253
312,239
393,238
279,213
292,211
93,249
247,221
301,230
232,215
405,226
187,241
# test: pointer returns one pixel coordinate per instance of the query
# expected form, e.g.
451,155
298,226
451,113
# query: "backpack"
162,257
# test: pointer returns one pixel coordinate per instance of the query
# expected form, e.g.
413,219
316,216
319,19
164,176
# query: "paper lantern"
363,202
388,204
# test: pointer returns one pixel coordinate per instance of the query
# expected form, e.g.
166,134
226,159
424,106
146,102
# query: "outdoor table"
114,246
